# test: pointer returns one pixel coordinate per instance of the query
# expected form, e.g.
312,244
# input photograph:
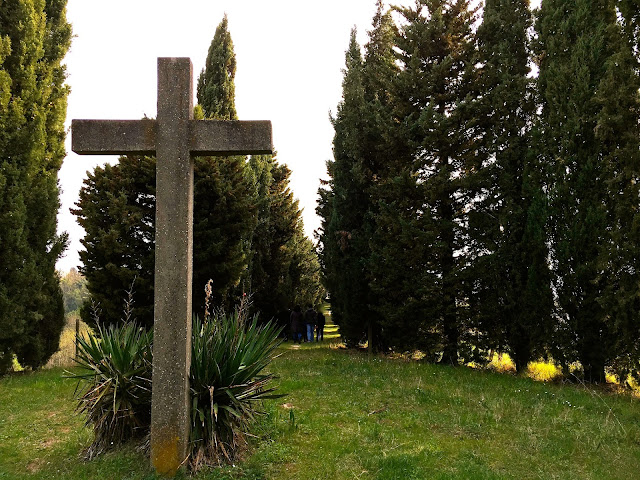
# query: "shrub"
114,384
229,355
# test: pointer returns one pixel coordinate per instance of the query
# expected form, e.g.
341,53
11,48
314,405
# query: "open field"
347,417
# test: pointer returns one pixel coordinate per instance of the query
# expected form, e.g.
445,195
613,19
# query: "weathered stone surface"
217,137
173,137
206,137
113,137
173,271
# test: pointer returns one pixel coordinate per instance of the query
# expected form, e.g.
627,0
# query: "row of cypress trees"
248,233
34,38
484,190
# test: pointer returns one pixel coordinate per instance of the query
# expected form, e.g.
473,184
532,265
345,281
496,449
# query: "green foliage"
74,290
304,273
216,88
471,208
114,384
347,207
116,208
618,133
284,269
435,87
229,354
342,237
224,219
275,239
508,282
590,144
34,37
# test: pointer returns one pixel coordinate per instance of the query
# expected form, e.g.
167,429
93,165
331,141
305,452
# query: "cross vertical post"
173,266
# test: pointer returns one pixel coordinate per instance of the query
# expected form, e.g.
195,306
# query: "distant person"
297,324
310,321
319,326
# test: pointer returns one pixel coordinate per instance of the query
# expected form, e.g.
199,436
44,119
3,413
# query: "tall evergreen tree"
401,276
348,207
225,201
581,56
216,84
508,283
275,238
436,48
34,37
617,130
379,153
343,207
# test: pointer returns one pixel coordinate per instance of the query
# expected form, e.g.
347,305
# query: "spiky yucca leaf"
114,384
229,355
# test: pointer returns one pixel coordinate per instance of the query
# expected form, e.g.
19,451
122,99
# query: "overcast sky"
290,56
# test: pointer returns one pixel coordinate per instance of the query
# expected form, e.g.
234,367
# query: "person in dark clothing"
297,324
283,320
310,321
320,327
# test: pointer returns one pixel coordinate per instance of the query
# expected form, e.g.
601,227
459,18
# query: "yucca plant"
229,356
114,384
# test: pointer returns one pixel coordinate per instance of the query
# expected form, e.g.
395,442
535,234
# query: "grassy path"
345,417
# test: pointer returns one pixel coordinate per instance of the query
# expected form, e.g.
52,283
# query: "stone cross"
174,137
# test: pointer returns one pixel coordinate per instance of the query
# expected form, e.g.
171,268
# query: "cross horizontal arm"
224,137
208,137
113,137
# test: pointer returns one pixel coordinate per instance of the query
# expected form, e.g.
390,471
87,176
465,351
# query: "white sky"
289,53
290,56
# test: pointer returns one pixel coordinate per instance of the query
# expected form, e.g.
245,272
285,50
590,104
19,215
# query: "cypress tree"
379,153
618,134
435,86
225,200
579,51
34,37
508,283
342,210
348,207
275,239
216,89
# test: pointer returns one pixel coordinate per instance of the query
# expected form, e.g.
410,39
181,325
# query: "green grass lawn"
348,417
